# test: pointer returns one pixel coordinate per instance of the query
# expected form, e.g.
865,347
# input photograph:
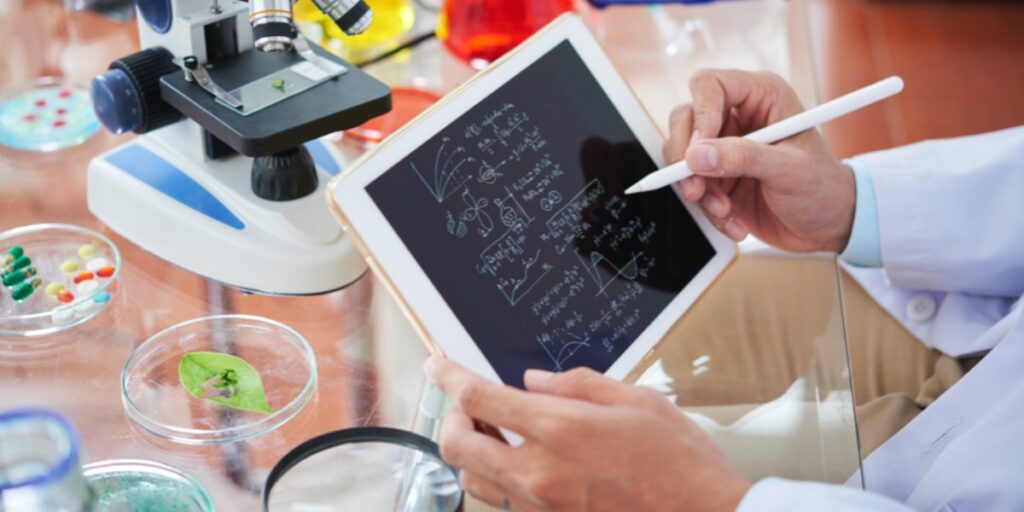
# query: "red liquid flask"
480,31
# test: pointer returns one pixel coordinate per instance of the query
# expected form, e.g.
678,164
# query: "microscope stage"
338,104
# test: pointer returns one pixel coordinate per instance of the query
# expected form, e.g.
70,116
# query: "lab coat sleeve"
864,249
951,213
778,495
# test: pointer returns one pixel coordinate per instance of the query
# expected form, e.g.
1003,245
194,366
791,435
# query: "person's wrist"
845,198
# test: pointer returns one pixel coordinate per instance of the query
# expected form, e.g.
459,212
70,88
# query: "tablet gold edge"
383,276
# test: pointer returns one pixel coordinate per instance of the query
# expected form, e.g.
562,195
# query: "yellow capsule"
53,289
87,251
70,266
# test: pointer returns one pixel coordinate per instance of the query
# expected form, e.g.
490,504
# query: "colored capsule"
24,290
87,251
61,315
101,297
96,263
87,287
52,289
69,266
106,272
65,296
83,276
12,254
87,307
18,276
19,263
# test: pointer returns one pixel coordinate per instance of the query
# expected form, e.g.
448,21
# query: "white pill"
85,288
95,264
62,315
87,307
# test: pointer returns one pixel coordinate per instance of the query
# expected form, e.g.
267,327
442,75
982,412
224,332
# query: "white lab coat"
951,226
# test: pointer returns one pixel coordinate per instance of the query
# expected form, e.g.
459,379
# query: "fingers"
693,188
492,403
465,448
580,384
483,489
591,386
680,133
757,98
734,157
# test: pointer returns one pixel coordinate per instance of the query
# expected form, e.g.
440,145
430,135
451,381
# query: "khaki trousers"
766,320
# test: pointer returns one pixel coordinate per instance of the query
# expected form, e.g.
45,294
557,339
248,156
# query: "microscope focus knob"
127,96
290,174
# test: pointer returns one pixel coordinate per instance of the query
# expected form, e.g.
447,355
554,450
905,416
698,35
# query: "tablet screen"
516,213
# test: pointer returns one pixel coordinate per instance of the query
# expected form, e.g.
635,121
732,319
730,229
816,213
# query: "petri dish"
155,400
51,250
45,115
132,485
407,103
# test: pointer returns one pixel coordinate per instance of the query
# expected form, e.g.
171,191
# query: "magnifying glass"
364,468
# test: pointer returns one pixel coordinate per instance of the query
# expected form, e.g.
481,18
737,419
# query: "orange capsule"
65,296
84,276
106,271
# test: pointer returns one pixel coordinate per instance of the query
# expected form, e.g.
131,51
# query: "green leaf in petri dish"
225,379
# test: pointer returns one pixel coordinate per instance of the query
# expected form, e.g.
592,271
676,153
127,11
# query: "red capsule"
65,296
106,271
84,276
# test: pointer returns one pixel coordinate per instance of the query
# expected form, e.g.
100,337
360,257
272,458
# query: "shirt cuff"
778,495
865,247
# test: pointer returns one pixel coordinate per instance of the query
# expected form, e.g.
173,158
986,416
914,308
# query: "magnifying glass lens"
367,474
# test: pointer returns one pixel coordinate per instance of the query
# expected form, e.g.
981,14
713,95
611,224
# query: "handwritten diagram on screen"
516,213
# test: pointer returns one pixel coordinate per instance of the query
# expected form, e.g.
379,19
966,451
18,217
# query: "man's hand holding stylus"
793,195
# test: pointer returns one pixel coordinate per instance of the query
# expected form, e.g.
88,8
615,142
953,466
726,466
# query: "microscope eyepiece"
272,28
352,16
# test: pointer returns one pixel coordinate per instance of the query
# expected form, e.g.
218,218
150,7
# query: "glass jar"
39,464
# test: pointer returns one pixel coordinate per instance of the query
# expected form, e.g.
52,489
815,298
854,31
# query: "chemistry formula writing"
498,182
516,213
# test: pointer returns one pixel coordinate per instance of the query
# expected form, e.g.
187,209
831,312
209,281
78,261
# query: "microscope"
228,174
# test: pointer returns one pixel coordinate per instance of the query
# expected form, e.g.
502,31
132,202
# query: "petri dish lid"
364,468
131,485
155,400
48,247
407,103
45,115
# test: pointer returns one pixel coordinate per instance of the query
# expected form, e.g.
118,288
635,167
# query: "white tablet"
498,218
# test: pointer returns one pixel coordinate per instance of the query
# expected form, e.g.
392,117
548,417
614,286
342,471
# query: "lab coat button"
921,308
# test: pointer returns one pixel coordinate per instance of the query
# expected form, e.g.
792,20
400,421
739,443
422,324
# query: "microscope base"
204,217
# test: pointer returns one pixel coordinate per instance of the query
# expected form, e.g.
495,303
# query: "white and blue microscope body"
228,174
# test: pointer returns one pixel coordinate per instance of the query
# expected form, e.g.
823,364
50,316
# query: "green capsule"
18,264
24,290
18,276
12,254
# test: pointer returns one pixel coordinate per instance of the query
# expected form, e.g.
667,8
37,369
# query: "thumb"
581,384
735,157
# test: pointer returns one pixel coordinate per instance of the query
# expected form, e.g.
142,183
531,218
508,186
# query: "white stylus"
786,128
